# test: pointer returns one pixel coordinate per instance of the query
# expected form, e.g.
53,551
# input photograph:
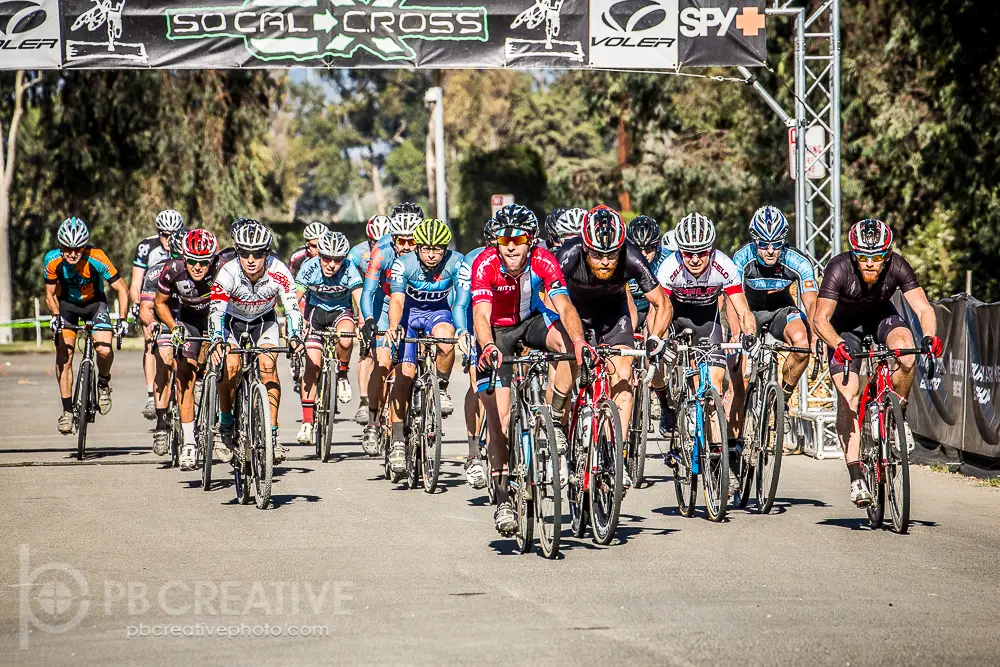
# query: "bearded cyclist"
244,295
855,302
375,311
75,274
511,280
150,252
331,285
567,225
313,232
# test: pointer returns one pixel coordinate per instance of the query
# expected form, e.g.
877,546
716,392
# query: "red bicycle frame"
590,395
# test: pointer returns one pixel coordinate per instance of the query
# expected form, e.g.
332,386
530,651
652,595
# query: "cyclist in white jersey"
243,299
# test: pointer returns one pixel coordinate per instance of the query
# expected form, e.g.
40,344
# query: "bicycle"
763,424
253,461
85,387
596,454
206,421
423,418
690,453
639,425
885,438
535,467
326,393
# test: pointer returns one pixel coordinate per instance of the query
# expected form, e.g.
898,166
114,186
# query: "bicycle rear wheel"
208,415
897,469
520,494
606,486
638,435
261,445
548,487
430,435
771,437
714,461
84,400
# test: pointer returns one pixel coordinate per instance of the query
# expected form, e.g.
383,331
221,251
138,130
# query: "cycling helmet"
377,227
334,244
551,219
695,233
253,235
407,207
200,244
314,230
177,242
73,233
432,232
644,232
668,244
169,221
514,220
603,230
768,224
489,234
870,235
403,224
237,223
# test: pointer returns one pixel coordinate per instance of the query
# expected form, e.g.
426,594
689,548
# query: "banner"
222,34
982,423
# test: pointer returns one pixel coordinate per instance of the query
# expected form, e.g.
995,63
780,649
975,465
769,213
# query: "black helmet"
551,220
515,216
406,207
644,232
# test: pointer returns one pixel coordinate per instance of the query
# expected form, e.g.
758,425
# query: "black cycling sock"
473,446
397,431
103,380
67,404
149,395
161,418
662,395
787,390
559,400
500,483
854,470
443,379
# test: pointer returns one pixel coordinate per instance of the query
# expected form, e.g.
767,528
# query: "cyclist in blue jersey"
421,284
377,227
331,286
375,311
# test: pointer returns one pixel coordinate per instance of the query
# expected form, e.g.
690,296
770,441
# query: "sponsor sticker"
633,34
29,34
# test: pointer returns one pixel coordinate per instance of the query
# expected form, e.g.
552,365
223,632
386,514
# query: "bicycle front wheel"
518,479
323,432
548,486
208,415
871,468
579,483
431,435
714,459
261,445
897,468
682,454
176,433
770,438
84,403
638,434
606,485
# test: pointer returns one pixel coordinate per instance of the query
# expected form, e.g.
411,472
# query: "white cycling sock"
188,429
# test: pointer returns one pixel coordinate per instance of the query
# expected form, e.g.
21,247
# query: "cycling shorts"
774,321
95,311
196,324
532,332
263,330
853,331
608,326
704,322
325,320
422,321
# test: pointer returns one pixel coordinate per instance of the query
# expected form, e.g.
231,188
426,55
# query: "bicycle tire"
897,469
176,433
685,481
771,438
208,410
241,460
576,493
319,420
607,486
871,462
715,466
518,480
638,436
748,457
324,434
261,446
547,484
430,435
84,399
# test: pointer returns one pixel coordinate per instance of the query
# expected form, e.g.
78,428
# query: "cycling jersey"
327,292
843,283
227,255
149,252
638,296
81,283
376,285
300,255
150,286
683,287
516,298
233,295
359,256
429,290
590,293
194,295
768,287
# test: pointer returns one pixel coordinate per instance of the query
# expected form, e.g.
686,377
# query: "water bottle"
873,421
689,414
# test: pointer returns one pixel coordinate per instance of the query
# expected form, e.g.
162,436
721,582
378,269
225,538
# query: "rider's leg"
399,401
446,352
64,367
621,388
310,375
902,376
561,382
148,361
717,375
365,368
185,369
497,409
376,383
104,352
472,415
796,334
164,357
738,384
269,376
345,346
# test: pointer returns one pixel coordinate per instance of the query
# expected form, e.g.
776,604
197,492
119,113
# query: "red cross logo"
750,22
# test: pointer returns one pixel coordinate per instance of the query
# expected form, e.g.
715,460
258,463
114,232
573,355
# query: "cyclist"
694,278
657,383
75,274
312,234
187,281
598,266
331,285
151,251
375,312
855,302
511,281
243,300
644,233
163,355
421,284
568,224
377,227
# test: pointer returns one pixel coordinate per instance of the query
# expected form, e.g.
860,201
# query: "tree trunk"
430,164
624,148
380,203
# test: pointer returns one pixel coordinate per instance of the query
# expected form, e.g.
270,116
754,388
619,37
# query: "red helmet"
603,230
870,236
200,244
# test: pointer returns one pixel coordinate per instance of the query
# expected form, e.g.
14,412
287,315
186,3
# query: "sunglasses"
520,239
692,255
252,254
71,251
770,245
199,262
405,242
164,235
602,255
330,260
870,257
433,249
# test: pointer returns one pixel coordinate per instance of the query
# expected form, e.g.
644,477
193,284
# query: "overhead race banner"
224,34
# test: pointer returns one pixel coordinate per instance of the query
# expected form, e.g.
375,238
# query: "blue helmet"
768,224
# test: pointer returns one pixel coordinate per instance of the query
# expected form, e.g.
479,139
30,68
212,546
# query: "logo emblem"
634,15
20,17
633,34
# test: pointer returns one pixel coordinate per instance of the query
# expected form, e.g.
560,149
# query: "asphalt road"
106,563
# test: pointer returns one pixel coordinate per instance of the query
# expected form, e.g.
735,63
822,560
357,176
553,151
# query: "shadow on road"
282,499
860,523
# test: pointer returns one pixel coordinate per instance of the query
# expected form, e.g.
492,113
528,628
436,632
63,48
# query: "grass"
29,347
937,467
991,481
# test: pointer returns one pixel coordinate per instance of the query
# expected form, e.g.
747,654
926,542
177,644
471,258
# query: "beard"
601,272
870,277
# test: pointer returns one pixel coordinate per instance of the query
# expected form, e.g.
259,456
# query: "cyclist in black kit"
854,302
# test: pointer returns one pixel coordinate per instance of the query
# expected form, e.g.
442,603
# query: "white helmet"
314,230
334,244
169,221
669,241
378,226
252,236
403,224
695,233
73,233
570,223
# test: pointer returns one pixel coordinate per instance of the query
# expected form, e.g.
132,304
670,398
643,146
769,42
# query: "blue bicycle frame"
704,382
